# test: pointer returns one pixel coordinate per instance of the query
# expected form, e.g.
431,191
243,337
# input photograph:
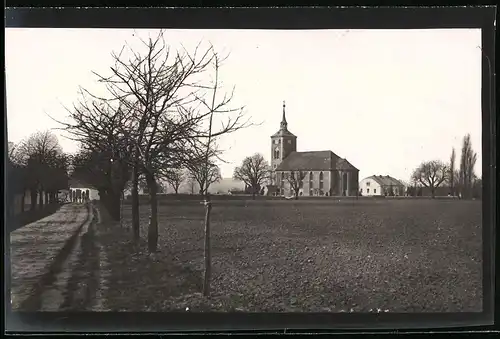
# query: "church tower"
283,143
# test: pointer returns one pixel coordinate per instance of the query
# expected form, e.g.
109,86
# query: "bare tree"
162,111
466,172
452,172
192,184
204,175
477,188
254,171
16,174
431,174
97,126
175,178
413,186
295,179
15,180
39,154
212,106
390,191
107,174
160,89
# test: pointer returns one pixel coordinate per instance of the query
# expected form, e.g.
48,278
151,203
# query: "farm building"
317,173
381,185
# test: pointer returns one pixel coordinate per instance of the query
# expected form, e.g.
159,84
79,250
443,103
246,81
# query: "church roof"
314,161
386,180
344,164
75,183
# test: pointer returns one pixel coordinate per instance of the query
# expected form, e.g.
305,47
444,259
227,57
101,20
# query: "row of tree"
255,172
192,177
462,182
155,121
37,165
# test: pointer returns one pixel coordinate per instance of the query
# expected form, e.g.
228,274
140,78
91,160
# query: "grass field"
309,256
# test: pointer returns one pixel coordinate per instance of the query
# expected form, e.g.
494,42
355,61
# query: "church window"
321,180
311,183
276,153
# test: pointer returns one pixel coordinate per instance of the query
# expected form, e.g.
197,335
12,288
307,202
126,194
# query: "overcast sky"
384,99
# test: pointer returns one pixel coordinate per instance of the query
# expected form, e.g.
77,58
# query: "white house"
381,185
76,185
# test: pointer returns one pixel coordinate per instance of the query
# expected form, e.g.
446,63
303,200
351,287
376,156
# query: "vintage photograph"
247,170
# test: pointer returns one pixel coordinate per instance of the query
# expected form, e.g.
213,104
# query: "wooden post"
208,263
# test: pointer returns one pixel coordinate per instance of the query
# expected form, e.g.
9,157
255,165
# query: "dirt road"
39,255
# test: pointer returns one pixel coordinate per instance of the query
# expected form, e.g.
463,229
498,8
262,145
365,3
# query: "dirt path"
42,258
84,267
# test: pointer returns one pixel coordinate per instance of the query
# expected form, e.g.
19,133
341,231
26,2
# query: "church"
312,173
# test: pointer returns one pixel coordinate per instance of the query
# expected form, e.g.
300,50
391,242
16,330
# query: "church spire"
283,123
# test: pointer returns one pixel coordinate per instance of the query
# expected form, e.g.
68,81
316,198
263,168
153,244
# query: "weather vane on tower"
283,120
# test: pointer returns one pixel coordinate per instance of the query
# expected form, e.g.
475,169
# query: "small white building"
378,185
77,185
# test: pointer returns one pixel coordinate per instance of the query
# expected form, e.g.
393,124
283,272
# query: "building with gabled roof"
381,185
322,172
79,187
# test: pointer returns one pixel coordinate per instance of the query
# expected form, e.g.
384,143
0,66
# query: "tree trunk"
23,198
135,204
115,206
452,185
207,254
40,195
111,202
433,192
153,223
176,189
34,195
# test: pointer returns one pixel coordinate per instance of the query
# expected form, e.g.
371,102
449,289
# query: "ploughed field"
306,256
